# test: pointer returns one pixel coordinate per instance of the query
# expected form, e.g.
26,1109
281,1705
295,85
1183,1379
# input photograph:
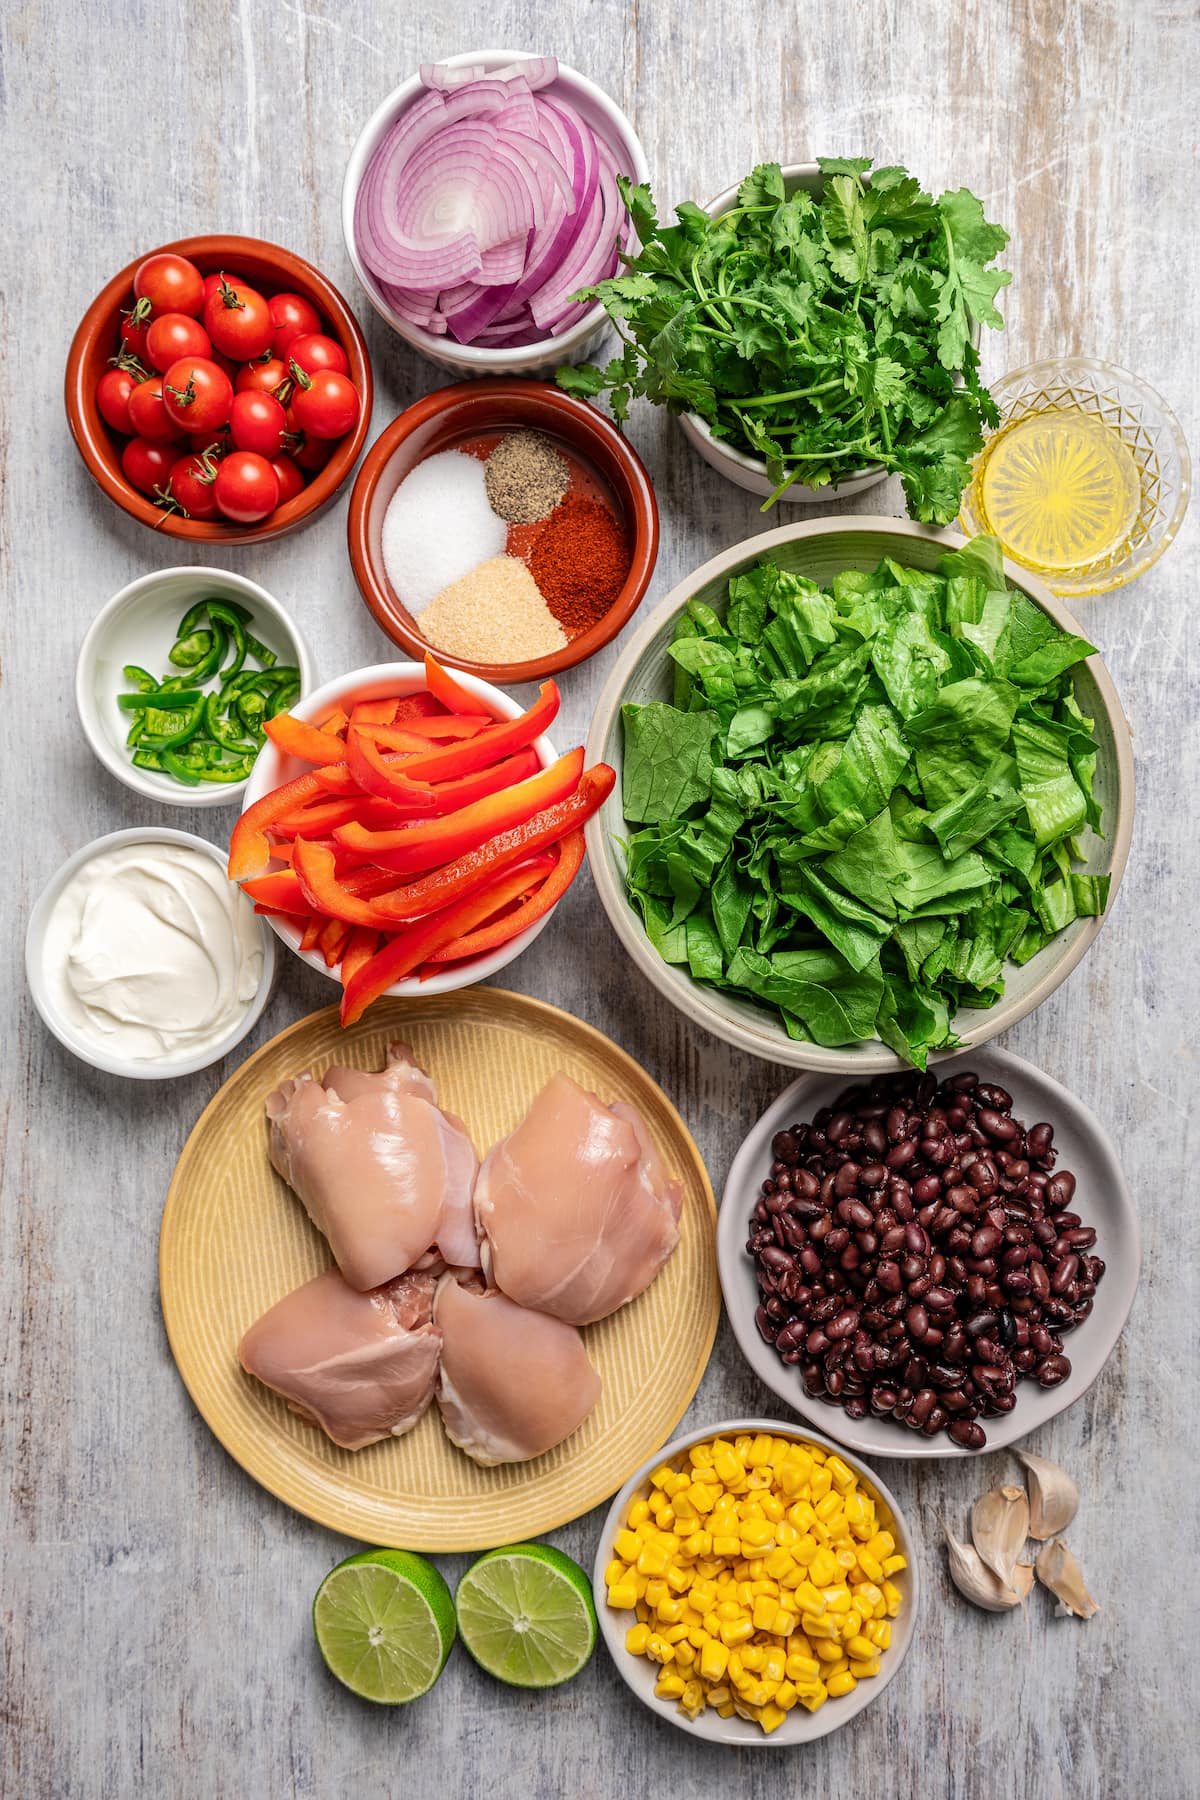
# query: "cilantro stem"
824,387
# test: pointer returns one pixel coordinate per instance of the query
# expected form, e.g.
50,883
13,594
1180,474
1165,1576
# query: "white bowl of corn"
755,1584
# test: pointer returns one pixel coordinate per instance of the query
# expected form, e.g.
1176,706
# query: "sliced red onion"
488,205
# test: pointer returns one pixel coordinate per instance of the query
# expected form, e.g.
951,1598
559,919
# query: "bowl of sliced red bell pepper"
409,831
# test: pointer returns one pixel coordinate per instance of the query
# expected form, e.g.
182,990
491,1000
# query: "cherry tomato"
316,351
213,282
145,465
135,324
292,316
112,398
326,405
291,477
218,441
261,377
148,416
170,283
197,394
192,487
246,487
312,453
172,335
257,422
238,322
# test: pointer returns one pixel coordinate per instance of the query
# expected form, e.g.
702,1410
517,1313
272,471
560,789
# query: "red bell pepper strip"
360,948
374,712
319,817
384,776
443,686
325,893
444,886
336,723
332,941
452,760
427,845
279,889
420,706
414,946
295,738
249,846
440,725
312,932
499,930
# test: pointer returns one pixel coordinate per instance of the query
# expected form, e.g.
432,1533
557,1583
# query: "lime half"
526,1615
384,1622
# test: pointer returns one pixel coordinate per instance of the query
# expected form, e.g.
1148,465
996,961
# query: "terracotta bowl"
445,419
274,270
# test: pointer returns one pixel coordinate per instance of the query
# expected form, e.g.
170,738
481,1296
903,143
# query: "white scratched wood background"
154,1604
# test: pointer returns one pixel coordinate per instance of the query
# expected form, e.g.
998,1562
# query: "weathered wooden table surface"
154,1603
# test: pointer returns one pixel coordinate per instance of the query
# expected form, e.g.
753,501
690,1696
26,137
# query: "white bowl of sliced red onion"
478,198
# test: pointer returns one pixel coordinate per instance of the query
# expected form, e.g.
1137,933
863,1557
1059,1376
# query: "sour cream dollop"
151,953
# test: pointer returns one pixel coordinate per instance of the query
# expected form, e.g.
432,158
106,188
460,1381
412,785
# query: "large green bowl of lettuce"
874,798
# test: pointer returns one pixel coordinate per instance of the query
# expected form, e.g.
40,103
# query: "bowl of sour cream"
144,959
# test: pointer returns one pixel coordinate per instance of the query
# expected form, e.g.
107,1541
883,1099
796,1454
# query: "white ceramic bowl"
819,549
1102,1200
750,472
62,1028
800,1726
138,625
376,683
580,339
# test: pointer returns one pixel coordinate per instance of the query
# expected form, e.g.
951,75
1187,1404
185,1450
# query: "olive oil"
1059,488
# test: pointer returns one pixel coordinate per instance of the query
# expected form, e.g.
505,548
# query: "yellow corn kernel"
699,1544
714,1660
752,1658
755,1571
818,1626
744,1594
758,1695
791,1479
758,1479
737,1632
728,1611
893,1564
726,1710
785,1623
673,1634
867,1596
778,1563
842,1476
680,1580
804,1550
703,1497
726,1546
654,1558
774,1664
701,1456
685,1512
881,1545
676,1483
837,1599
786,1696
759,1452
622,1596
697,1637
644,1615
859,1648
670,1610
758,1534
771,1717
721,1695
685,1654
665,1514
637,1515
863,1670
616,1571
893,1597
627,1545
829,1507
821,1570
870,1566
655,1591
842,1683
772,1508
692,1699
658,1649
728,1467
827,1649
636,1639
669,1687
846,1561
835,1668
712,1623
817,1697
660,1476
880,1633
765,1608
801,1668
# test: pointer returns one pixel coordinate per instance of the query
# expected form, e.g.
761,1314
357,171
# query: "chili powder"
580,562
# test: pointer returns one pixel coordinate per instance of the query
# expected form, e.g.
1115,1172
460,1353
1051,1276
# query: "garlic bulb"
999,1527
1053,1496
975,1581
1058,1570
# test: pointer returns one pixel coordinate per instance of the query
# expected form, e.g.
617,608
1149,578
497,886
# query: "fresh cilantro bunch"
817,334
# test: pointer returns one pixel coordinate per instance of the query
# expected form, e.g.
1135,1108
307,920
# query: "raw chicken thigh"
380,1168
513,1383
361,1366
576,1211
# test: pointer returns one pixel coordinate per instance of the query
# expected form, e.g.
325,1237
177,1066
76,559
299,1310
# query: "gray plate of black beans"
928,1264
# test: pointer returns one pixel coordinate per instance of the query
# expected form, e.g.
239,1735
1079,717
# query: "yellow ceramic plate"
235,1239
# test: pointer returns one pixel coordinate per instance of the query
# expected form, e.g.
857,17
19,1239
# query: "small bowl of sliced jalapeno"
177,676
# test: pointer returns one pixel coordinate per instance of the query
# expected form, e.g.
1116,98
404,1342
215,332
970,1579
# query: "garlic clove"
1058,1570
975,1581
1053,1496
1023,1581
999,1528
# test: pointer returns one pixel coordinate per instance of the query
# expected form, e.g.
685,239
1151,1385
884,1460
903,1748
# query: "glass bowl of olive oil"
1086,478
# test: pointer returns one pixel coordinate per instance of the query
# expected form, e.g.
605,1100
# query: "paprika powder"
580,562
